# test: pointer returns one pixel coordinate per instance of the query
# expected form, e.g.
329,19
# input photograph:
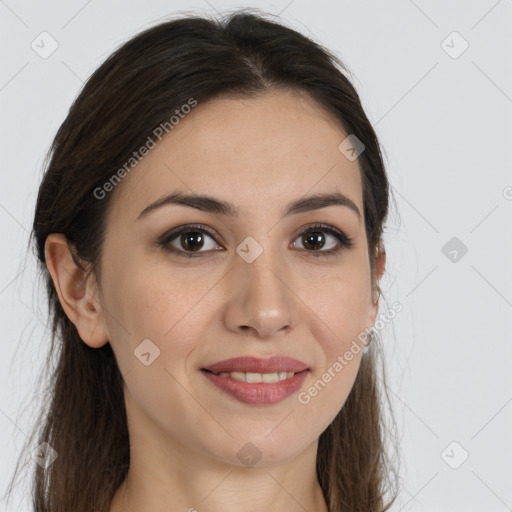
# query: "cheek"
141,308
324,396
329,385
155,399
338,308
341,306
161,329
156,300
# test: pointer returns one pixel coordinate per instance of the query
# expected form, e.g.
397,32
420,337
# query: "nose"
262,302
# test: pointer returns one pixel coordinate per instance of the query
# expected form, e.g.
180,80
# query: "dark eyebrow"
210,204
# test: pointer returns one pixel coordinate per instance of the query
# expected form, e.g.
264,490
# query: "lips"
257,365
256,381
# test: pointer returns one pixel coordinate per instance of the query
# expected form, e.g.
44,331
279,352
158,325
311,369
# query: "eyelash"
345,242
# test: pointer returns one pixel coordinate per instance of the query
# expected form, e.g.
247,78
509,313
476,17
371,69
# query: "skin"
259,154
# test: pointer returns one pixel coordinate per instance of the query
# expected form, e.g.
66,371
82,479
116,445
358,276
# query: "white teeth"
269,377
238,376
252,377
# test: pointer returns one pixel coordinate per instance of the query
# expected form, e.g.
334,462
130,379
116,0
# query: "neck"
292,487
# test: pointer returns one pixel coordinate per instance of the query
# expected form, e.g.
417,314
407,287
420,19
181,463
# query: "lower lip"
260,393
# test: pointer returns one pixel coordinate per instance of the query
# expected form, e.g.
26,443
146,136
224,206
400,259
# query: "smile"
254,378
257,388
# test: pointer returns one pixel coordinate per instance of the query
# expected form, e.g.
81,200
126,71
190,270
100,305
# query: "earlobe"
78,295
380,264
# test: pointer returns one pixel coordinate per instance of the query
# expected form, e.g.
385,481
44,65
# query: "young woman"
209,226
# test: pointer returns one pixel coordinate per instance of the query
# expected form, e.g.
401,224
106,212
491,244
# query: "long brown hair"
134,91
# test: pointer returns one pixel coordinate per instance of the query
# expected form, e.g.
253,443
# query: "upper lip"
258,365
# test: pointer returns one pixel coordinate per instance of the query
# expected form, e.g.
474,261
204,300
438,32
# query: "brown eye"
323,240
313,240
188,240
318,240
192,240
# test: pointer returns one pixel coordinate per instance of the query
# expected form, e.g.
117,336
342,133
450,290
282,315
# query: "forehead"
255,152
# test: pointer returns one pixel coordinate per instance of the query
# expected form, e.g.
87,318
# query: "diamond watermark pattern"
146,352
351,147
249,454
249,249
44,455
454,45
454,249
454,455
44,45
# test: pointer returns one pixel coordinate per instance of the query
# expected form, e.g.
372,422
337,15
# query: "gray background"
444,120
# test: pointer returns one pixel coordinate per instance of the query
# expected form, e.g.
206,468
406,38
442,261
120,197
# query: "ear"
380,265
78,295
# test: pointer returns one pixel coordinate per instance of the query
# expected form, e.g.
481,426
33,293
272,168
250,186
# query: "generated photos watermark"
137,156
357,345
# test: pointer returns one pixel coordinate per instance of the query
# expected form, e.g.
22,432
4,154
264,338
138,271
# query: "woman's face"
242,283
